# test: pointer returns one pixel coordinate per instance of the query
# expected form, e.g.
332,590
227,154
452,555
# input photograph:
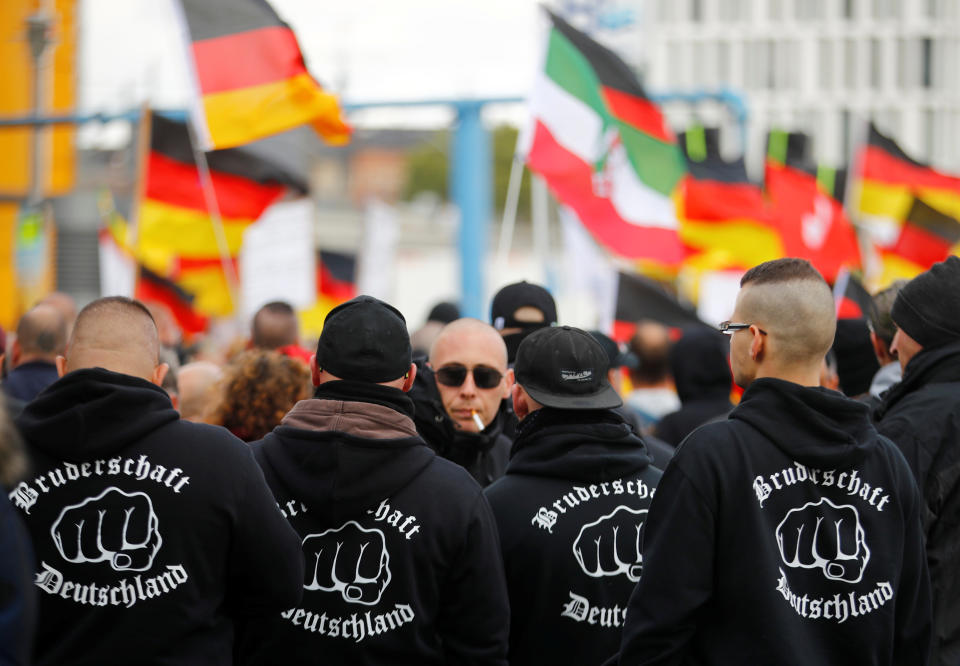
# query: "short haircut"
795,304
880,320
652,352
42,330
91,314
276,332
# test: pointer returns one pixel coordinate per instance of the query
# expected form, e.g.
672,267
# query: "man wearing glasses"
460,409
789,533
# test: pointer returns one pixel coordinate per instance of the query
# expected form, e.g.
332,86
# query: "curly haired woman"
258,388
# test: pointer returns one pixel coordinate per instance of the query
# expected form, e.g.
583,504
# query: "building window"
827,63
929,134
876,64
696,11
848,9
903,64
723,62
850,63
926,62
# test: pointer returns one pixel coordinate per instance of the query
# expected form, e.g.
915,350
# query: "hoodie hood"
825,428
339,457
700,367
929,366
94,412
586,446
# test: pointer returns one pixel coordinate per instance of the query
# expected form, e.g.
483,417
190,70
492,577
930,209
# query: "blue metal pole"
471,191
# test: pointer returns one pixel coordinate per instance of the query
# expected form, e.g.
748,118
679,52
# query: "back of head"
258,388
365,340
698,361
522,305
274,326
651,345
42,332
195,382
444,312
565,368
115,333
926,308
791,301
855,360
880,320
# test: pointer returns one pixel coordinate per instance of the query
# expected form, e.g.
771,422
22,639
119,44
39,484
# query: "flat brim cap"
565,368
365,340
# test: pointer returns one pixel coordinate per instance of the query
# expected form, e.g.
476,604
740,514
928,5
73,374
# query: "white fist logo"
350,560
822,535
610,545
115,527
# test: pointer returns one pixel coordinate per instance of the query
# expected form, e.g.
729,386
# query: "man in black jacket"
403,562
152,535
790,533
460,398
572,504
921,415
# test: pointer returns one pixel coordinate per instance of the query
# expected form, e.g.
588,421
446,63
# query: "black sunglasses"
455,374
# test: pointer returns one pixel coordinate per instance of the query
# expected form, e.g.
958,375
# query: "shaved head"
42,332
195,384
470,344
794,304
274,325
117,334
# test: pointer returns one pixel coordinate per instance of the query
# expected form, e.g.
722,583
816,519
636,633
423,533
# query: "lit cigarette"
476,419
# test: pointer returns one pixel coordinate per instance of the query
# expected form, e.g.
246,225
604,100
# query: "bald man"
41,337
790,533
152,535
460,398
195,389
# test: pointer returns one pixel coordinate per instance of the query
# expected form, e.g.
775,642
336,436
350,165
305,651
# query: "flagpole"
210,197
144,130
509,220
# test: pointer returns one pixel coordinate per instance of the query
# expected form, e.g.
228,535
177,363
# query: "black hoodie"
569,512
402,554
788,534
483,454
702,376
151,533
921,415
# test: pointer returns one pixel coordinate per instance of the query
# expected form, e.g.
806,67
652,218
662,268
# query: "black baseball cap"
518,295
565,367
365,340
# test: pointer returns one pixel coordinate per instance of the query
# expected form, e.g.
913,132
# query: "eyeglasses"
729,328
455,374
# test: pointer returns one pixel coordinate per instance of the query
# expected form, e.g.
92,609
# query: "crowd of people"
783,490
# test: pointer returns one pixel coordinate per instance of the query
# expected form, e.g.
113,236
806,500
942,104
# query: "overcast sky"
364,49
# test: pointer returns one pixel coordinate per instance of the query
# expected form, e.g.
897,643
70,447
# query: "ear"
159,373
520,406
61,366
509,381
314,370
879,348
757,344
408,380
15,353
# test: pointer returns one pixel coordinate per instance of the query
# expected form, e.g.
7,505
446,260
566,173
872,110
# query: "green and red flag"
603,147
251,76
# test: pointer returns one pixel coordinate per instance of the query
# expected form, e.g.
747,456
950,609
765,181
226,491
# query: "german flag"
175,235
724,223
336,284
806,211
251,76
889,180
926,237
852,298
152,288
639,297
